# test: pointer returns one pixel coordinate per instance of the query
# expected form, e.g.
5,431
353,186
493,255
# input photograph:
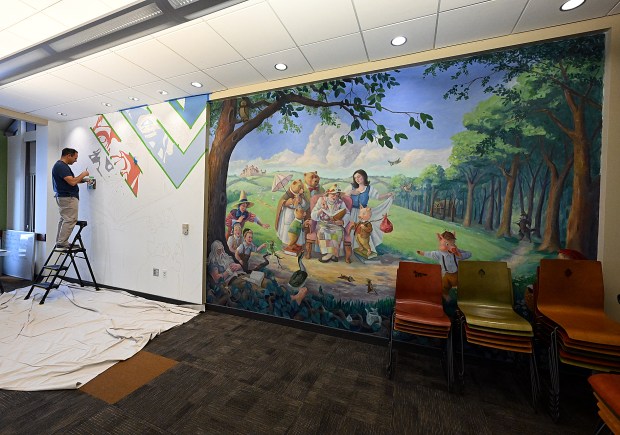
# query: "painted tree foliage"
358,98
557,87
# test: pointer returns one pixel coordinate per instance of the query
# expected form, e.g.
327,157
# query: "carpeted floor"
239,375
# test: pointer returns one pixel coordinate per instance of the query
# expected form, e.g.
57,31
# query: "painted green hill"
412,231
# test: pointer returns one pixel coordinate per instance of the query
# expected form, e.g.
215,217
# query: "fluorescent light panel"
115,24
180,3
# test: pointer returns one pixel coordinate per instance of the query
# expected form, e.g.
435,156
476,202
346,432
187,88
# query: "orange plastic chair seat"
418,308
606,387
581,346
419,331
422,312
592,355
498,317
590,362
585,325
421,325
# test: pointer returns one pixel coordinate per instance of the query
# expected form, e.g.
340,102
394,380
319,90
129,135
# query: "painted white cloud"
324,154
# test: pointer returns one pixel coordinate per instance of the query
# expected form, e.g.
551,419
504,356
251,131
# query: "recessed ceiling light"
106,104
571,4
162,92
134,98
399,40
280,66
61,113
197,84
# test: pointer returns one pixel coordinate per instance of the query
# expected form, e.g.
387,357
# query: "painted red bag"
386,226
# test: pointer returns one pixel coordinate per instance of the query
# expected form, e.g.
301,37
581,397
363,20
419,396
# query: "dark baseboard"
326,330
133,292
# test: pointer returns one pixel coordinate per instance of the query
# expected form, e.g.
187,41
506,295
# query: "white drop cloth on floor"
75,335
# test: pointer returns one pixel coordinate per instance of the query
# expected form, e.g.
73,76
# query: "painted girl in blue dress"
361,192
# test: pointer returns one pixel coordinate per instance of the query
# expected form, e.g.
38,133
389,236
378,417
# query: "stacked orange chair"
418,309
487,316
571,320
606,388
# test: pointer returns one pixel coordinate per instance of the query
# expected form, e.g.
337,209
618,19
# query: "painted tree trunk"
511,181
498,202
431,211
453,208
482,206
470,203
488,224
219,156
539,206
581,216
551,236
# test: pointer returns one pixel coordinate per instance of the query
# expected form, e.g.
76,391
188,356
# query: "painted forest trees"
557,87
357,98
469,165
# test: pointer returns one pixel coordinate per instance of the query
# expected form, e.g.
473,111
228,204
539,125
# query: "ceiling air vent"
129,19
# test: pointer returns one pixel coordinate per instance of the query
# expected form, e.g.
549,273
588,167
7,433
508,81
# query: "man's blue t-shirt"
63,189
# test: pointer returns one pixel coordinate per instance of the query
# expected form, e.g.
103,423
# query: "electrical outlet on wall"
155,271
185,228
164,273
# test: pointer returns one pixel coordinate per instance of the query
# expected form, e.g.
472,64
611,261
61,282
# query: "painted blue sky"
415,94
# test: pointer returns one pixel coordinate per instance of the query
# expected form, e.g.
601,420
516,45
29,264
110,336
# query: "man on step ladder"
67,194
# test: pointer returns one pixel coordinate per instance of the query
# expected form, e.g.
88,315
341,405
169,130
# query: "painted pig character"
448,256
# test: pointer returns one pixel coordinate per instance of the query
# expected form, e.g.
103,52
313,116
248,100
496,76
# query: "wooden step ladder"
56,266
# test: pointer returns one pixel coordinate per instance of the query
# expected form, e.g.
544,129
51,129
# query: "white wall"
43,178
127,236
16,182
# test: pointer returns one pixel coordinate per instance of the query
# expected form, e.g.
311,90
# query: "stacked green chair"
487,316
570,319
418,310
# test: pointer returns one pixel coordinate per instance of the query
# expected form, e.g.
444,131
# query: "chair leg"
600,425
461,374
450,362
535,381
554,372
390,366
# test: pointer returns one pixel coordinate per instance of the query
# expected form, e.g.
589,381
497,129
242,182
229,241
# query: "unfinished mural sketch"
173,133
317,192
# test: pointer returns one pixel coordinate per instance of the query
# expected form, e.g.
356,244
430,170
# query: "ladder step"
46,285
81,223
56,267
72,250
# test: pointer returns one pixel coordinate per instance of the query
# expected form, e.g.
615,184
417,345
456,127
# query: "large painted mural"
317,192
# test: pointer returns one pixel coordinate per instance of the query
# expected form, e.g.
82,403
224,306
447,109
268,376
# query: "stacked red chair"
419,311
570,319
606,388
487,317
